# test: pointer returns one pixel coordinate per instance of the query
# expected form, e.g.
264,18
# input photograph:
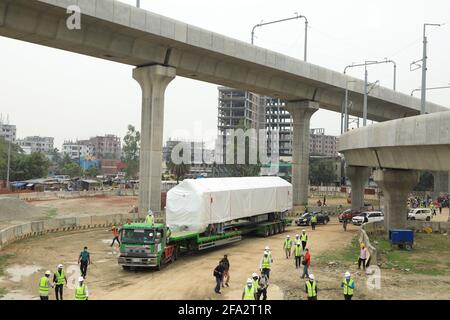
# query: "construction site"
60,228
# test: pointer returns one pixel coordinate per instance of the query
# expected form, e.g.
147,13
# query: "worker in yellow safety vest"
313,221
249,291
287,245
298,253
311,288
265,264
270,253
44,285
348,284
150,219
304,239
81,291
255,284
59,278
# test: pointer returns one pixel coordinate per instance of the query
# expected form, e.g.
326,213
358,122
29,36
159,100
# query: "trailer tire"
266,232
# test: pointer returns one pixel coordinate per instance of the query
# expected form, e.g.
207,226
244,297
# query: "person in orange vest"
115,232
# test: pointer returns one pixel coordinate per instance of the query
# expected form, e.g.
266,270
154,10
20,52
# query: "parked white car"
368,216
423,214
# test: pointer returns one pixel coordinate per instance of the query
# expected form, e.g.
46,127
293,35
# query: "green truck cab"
145,245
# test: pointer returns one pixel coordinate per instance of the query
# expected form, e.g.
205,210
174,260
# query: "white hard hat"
254,274
267,248
303,230
249,281
288,236
48,272
347,274
266,253
311,276
150,211
297,235
80,279
60,266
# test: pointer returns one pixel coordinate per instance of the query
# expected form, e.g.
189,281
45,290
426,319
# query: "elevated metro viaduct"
397,149
162,48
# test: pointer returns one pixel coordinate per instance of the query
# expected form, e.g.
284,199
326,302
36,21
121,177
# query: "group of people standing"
60,279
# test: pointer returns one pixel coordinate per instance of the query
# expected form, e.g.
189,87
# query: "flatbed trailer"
144,245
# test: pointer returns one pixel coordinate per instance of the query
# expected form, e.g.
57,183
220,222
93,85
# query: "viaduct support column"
153,81
441,183
396,184
301,113
358,177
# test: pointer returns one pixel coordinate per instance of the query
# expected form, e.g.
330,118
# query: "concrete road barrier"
37,228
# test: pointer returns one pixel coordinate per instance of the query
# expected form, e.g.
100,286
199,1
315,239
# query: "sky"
50,92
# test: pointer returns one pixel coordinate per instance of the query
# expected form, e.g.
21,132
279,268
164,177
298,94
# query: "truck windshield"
138,236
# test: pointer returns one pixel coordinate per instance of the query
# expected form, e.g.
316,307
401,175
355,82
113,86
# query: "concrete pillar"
441,183
301,113
358,177
153,81
396,185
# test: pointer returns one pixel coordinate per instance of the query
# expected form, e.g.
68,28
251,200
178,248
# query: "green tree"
426,182
179,170
246,169
22,166
72,169
322,171
131,149
92,172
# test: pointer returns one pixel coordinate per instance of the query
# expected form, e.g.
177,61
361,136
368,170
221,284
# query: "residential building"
105,147
76,150
7,131
36,144
321,144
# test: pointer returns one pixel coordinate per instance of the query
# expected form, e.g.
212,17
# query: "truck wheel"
428,219
266,232
408,247
325,221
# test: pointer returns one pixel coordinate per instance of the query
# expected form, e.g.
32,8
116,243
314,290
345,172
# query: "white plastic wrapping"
195,203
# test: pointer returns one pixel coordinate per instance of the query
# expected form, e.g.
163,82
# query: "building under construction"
237,108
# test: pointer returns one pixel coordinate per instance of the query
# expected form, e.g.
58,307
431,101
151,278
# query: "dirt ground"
89,205
190,277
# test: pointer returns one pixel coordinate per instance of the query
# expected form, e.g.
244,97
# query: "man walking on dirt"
313,221
44,285
226,270
362,257
84,260
348,284
298,252
287,245
59,278
306,262
304,239
218,274
266,264
115,232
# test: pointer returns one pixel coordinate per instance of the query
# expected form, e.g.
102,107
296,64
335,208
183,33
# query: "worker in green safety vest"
313,221
149,219
287,245
311,288
249,291
44,285
265,264
348,284
298,253
81,291
304,238
59,278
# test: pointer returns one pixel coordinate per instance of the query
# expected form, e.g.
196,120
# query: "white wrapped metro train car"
196,204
